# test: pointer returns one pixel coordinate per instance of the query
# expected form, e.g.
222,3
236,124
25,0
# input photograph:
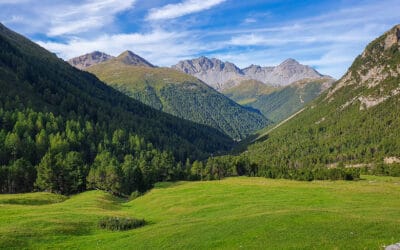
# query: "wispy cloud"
328,40
159,46
171,11
91,14
63,18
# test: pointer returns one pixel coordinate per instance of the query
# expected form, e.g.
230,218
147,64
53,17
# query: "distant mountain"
278,103
287,72
179,94
219,75
223,75
87,60
356,121
129,58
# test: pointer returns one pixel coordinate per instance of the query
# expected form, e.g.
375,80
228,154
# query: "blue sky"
324,34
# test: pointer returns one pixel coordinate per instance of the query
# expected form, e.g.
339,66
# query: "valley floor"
248,213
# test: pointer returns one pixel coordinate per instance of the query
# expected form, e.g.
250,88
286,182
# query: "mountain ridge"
278,102
89,59
182,95
45,83
223,75
354,122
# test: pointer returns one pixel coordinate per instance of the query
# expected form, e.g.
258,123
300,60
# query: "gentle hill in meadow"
179,94
248,213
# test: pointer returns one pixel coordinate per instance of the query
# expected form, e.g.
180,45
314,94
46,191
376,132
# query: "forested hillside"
59,125
181,95
355,122
278,103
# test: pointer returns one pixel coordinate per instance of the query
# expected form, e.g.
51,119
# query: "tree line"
41,151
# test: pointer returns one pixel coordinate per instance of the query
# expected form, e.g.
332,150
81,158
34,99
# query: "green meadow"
235,213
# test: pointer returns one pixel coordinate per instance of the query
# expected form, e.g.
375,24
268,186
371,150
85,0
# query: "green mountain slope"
248,91
356,121
181,95
55,121
278,103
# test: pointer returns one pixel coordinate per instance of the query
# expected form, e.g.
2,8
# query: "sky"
326,35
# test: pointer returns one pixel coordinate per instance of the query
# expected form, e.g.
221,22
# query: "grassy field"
235,213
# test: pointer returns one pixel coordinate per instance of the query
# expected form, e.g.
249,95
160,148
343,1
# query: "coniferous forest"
64,131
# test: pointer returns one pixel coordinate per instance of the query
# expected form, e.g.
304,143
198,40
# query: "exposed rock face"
285,73
373,70
219,75
224,75
87,60
130,58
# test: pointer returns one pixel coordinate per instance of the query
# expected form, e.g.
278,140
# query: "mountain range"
178,94
295,86
224,75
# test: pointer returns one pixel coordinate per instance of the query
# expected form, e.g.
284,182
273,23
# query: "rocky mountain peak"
130,58
223,75
289,61
87,60
214,72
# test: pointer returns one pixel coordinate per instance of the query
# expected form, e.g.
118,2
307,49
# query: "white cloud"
62,18
250,20
171,11
92,14
328,42
159,47
13,1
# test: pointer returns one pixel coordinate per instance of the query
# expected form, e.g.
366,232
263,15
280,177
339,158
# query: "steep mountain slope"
278,103
224,75
181,95
356,121
130,58
35,79
84,61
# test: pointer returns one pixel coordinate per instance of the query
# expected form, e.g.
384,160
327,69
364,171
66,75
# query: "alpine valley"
114,152
178,94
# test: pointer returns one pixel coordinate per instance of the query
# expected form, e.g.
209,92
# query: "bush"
135,194
120,224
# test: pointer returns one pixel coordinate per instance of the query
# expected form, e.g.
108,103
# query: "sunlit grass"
232,213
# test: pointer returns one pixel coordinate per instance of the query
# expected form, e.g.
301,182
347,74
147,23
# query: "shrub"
120,223
135,194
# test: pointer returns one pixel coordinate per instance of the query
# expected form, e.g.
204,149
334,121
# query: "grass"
248,213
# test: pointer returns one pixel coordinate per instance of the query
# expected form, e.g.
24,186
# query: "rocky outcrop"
87,60
373,73
285,73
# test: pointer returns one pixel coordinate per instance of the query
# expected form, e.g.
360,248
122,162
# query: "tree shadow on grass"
160,185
